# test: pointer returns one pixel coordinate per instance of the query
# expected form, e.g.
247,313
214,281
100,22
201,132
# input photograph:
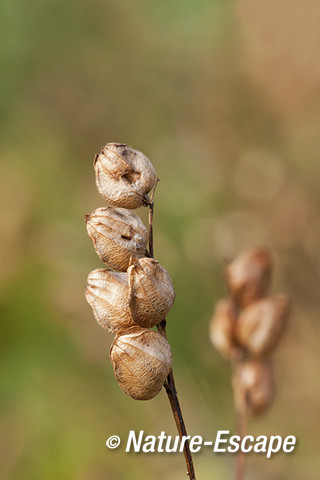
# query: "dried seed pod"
151,292
261,324
222,326
123,175
107,293
141,360
117,234
254,386
249,275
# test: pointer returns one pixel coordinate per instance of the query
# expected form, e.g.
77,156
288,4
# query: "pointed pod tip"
96,158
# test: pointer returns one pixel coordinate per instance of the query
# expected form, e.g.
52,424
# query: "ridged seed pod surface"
151,292
123,175
142,360
117,234
107,293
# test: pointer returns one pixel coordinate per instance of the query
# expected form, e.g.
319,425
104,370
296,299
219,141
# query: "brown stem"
177,413
240,459
151,229
169,384
149,202
241,417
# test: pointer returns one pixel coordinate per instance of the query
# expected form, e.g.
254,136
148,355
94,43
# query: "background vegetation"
223,97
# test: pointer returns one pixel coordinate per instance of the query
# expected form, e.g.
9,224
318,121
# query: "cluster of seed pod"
247,327
134,293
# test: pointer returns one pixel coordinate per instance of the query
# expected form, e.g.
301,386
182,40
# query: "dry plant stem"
169,384
241,425
240,459
149,202
176,410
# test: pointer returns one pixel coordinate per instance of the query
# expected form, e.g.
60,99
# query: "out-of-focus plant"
246,328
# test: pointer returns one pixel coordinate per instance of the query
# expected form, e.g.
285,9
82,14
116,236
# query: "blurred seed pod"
117,234
249,276
107,294
222,327
151,292
261,324
254,386
123,175
141,360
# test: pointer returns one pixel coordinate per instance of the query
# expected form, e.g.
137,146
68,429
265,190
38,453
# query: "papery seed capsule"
107,293
151,291
254,386
222,328
249,275
123,175
141,360
261,324
117,234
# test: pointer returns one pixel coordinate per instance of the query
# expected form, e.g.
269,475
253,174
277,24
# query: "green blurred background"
224,98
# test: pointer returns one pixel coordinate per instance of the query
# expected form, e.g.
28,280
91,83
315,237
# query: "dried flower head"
107,293
141,360
123,175
151,291
222,327
249,275
254,386
117,234
261,325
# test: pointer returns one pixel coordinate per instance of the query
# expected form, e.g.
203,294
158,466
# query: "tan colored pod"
254,386
249,276
151,292
141,360
123,175
117,235
107,293
222,327
261,325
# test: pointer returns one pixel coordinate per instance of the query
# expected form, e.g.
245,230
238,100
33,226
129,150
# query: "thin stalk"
177,413
241,419
240,458
151,207
170,384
